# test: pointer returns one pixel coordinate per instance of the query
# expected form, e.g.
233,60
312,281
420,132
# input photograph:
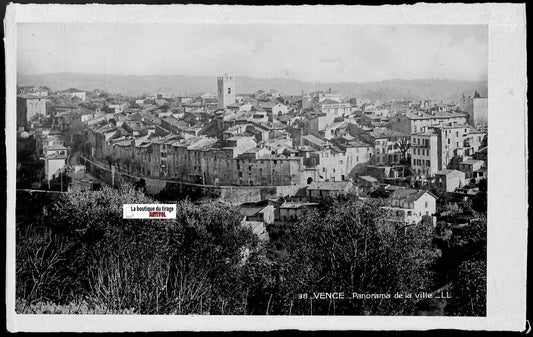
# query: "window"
240,174
229,91
428,163
448,141
426,204
457,134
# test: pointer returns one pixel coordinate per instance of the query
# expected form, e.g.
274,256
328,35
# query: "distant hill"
134,85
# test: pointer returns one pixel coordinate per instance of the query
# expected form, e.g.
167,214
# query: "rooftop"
385,133
72,90
289,204
471,162
449,172
315,140
409,195
426,115
249,211
368,178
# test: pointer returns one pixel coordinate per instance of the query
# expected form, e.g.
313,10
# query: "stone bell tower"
226,91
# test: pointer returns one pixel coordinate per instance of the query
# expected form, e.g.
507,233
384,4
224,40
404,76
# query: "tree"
463,266
59,183
110,160
140,185
403,144
351,248
188,265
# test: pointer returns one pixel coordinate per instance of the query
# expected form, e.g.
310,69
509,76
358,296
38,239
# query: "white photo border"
507,197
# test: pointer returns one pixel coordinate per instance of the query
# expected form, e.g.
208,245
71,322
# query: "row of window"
420,162
421,141
422,152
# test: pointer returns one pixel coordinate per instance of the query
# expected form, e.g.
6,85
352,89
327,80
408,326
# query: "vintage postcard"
194,167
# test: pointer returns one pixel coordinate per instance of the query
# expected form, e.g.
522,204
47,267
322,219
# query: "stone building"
226,91
418,121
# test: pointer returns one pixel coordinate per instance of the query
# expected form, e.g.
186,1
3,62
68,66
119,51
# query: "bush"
83,248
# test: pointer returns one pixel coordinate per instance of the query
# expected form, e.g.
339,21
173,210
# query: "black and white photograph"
224,168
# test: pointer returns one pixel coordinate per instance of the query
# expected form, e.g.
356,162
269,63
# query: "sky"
306,52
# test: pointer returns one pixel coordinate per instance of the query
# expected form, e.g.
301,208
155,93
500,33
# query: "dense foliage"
78,249
81,247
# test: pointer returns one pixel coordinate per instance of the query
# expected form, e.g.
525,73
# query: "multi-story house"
424,153
74,93
28,107
409,206
55,160
337,109
319,190
418,121
357,153
476,107
385,142
449,180
438,148
332,163
473,169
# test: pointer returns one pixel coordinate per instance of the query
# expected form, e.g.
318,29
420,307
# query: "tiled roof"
408,195
329,101
425,115
315,140
385,133
249,211
288,204
368,178
356,144
449,172
72,90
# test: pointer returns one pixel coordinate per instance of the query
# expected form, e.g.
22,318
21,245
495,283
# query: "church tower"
226,91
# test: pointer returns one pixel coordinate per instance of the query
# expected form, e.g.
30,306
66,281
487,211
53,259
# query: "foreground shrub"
82,247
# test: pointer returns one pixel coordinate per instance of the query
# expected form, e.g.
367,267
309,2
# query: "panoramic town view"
294,196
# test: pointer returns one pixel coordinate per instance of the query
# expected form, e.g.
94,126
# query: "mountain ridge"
182,85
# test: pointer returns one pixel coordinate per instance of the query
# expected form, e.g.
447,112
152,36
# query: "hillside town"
274,155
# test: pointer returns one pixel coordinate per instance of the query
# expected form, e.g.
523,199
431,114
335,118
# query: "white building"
55,161
409,206
72,93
